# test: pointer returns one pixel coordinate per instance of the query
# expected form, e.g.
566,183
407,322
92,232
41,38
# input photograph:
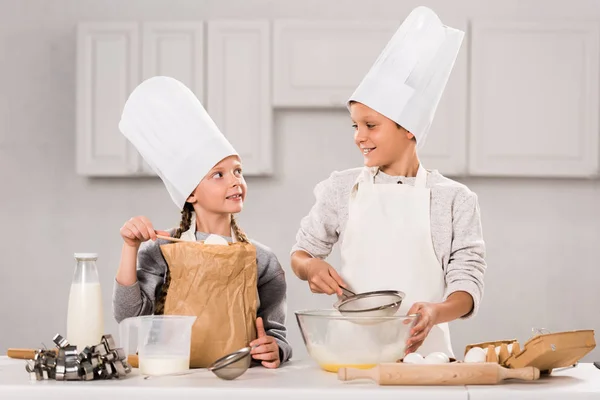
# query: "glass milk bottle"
85,318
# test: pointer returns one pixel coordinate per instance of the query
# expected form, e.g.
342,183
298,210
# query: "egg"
413,358
437,358
476,354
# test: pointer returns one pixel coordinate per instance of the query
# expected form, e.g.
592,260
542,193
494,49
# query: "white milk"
85,318
162,365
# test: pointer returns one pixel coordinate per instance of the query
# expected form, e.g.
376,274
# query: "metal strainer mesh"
378,303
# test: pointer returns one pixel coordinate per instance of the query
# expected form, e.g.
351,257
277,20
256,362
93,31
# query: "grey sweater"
455,226
138,299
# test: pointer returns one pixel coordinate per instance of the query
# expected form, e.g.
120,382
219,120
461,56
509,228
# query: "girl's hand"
428,315
138,230
323,278
268,349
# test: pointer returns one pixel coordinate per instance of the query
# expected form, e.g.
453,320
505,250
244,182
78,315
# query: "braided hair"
184,225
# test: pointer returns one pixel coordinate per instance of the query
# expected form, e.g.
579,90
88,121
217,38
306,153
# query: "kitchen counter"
296,380
581,382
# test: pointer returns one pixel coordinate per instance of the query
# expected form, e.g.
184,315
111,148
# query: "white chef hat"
168,126
408,78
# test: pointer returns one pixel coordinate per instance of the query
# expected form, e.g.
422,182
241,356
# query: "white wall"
542,235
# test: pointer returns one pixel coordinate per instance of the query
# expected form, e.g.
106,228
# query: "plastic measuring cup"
163,342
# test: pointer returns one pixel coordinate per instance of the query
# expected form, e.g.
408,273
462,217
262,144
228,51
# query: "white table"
581,382
296,380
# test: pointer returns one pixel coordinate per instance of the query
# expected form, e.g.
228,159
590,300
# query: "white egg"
497,350
437,358
215,239
510,349
413,358
476,354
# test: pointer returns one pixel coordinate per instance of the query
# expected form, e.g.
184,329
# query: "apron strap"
367,175
421,180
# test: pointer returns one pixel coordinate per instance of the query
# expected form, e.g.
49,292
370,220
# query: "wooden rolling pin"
29,354
23,354
133,360
439,374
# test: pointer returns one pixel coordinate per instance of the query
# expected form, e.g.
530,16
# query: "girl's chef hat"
174,134
408,78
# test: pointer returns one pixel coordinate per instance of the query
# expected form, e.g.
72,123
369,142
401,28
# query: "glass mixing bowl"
334,340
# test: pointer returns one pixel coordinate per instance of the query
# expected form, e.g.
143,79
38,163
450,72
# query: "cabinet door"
320,63
239,89
446,145
107,71
174,49
534,99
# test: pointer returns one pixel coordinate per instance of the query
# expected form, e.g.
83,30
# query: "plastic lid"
86,256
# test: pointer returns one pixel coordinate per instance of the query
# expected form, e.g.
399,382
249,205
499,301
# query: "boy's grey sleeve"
467,266
318,230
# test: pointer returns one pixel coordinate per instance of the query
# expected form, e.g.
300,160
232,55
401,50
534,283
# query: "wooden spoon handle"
172,239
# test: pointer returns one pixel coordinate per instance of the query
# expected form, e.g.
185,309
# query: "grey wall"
542,235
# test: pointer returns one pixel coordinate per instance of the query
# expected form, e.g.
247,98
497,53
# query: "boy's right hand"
138,230
323,278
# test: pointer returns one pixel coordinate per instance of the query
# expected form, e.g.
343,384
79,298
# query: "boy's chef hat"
408,78
168,126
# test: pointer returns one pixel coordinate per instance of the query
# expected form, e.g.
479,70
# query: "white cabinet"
320,64
175,49
239,89
107,71
534,99
522,100
113,58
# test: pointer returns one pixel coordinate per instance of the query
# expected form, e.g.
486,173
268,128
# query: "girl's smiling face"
223,189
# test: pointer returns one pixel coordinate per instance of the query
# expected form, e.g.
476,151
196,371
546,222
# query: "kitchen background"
518,124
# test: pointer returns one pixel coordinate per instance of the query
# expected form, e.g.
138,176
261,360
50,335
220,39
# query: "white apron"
387,246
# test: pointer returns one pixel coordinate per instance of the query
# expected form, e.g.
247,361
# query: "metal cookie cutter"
102,361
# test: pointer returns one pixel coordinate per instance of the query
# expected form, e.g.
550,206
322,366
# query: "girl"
203,174
400,226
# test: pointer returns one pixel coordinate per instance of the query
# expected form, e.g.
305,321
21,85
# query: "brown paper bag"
217,284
